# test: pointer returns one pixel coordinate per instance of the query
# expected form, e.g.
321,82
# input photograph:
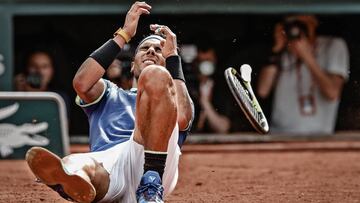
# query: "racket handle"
245,72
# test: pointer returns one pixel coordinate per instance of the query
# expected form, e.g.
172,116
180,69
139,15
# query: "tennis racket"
240,87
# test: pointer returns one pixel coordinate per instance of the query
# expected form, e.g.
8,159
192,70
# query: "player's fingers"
162,30
158,29
153,27
144,5
140,4
166,30
162,43
136,7
142,11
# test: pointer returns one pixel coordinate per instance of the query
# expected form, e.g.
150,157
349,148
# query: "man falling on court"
135,136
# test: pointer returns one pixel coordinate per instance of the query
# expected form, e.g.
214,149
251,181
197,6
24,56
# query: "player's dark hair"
151,36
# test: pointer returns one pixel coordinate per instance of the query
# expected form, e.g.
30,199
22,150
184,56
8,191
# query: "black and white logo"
16,136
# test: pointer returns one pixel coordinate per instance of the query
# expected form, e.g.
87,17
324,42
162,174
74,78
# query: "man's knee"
156,81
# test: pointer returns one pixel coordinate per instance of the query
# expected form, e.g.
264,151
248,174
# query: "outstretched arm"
87,81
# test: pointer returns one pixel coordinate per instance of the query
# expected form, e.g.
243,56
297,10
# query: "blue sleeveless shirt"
112,117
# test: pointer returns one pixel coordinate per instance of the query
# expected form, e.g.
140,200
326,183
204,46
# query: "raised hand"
169,45
302,49
279,38
133,16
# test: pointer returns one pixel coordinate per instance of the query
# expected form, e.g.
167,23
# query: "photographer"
210,120
307,73
38,75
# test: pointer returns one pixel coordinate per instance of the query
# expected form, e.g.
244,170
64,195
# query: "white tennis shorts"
125,164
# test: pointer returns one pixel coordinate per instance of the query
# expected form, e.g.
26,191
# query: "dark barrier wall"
237,38
241,33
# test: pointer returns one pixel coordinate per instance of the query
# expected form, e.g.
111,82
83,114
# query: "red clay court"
317,171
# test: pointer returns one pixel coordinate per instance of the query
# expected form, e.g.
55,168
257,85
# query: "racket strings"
246,99
244,94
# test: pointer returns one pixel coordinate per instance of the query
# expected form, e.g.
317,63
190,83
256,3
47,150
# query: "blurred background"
220,33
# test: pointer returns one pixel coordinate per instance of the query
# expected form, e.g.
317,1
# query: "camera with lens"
34,80
294,29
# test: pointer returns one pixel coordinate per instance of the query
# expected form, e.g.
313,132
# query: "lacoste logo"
13,136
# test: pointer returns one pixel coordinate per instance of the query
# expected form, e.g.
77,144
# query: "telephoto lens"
294,29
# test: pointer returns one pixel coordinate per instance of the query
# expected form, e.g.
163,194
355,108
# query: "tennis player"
136,135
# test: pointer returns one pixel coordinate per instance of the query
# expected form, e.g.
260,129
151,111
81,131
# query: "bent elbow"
225,127
184,119
182,124
332,95
223,130
79,86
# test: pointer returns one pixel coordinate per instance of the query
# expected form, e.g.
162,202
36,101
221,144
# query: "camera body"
34,80
294,29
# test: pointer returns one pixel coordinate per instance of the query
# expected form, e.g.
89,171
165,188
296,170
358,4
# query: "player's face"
149,53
